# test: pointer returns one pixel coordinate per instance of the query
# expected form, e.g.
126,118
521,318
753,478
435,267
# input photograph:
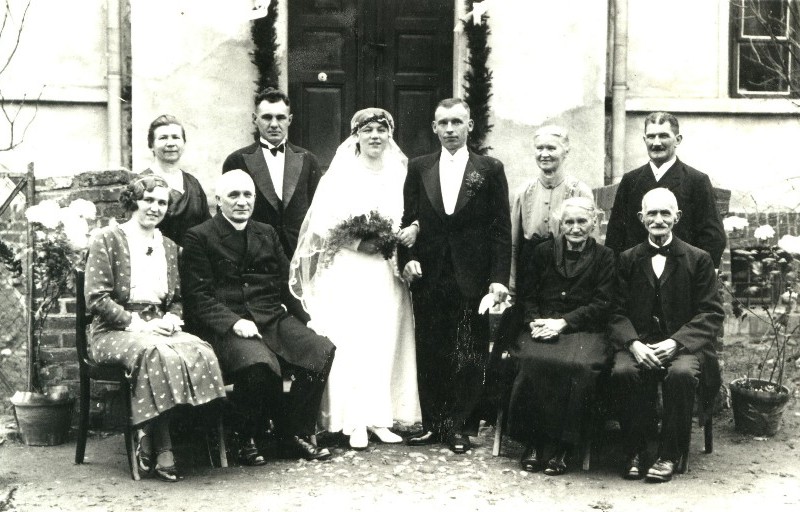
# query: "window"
764,48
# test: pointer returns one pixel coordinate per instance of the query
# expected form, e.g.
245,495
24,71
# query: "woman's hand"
408,235
368,246
547,328
161,326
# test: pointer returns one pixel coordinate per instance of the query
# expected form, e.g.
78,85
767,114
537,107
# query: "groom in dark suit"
458,201
235,284
286,176
666,320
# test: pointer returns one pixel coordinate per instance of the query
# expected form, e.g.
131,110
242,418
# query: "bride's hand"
408,235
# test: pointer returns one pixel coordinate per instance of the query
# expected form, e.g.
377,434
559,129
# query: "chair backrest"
82,320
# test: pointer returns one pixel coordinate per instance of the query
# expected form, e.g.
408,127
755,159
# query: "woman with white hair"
535,203
345,273
560,347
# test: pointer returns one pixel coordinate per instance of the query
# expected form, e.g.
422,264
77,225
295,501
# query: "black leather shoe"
633,468
167,474
297,446
459,443
249,456
530,459
423,438
661,471
557,465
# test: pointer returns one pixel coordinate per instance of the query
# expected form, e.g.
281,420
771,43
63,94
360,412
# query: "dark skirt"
554,385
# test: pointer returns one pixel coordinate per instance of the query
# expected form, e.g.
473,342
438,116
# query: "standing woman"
132,289
166,137
561,348
352,290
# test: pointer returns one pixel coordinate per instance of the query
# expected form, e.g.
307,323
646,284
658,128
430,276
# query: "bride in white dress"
353,293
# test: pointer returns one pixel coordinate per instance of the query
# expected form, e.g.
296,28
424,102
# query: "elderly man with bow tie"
666,319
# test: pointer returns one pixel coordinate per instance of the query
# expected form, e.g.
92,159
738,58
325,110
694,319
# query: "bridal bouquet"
372,225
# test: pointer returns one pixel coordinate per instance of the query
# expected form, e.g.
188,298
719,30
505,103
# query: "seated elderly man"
566,287
235,282
668,314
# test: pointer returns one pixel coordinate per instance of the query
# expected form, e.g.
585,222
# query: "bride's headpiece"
371,115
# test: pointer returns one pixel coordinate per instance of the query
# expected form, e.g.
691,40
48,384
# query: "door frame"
282,54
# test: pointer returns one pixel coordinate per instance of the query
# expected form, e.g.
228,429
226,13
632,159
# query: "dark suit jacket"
300,179
476,237
689,296
221,287
700,223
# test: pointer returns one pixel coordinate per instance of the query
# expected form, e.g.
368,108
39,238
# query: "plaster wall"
191,59
549,65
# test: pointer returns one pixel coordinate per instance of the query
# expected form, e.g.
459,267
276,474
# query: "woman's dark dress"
186,210
556,379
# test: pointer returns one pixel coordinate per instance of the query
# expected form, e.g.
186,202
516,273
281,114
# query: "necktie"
274,150
664,250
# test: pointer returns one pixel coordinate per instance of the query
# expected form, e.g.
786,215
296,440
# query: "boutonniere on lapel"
473,182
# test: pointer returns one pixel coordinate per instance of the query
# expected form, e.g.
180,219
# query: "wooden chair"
90,370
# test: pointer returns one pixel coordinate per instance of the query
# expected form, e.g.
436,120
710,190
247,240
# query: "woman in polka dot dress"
132,288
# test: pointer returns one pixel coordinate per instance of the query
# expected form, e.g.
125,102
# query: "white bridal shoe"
386,435
359,439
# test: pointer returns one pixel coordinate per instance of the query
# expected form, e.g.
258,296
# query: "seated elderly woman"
566,289
132,288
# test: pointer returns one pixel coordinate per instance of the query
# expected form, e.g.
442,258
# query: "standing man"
667,317
700,225
286,176
459,202
235,282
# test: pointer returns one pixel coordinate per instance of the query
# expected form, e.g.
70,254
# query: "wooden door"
345,55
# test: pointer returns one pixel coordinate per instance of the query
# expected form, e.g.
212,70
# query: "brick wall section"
58,360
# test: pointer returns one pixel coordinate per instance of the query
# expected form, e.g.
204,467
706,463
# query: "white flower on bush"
790,244
76,229
734,222
47,213
764,232
83,209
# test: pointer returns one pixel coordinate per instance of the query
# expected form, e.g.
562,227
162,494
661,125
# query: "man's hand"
547,328
246,329
665,350
368,246
412,271
499,291
408,235
645,356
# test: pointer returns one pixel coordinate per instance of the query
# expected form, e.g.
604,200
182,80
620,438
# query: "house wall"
743,144
536,45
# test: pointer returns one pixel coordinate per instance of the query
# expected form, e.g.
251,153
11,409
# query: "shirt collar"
664,167
269,144
238,226
462,154
669,241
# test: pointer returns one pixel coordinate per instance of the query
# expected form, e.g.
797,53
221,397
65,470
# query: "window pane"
763,67
764,18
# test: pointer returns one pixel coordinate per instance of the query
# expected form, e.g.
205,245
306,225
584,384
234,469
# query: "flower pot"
755,411
42,420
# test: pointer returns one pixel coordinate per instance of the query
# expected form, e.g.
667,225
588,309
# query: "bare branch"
18,36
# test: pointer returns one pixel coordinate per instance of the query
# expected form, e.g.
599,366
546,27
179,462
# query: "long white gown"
363,306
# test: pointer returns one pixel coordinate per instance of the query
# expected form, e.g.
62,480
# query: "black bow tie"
274,150
664,250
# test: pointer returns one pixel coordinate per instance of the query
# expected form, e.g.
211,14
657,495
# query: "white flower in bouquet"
790,244
47,213
83,209
764,232
733,222
76,229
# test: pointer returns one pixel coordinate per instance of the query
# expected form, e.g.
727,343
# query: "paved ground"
744,473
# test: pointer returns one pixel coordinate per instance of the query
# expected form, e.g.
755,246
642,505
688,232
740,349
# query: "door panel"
393,54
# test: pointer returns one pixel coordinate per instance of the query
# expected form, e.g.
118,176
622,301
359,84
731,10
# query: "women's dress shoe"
661,471
530,459
423,438
144,457
634,467
167,473
249,456
359,440
385,435
459,443
557,465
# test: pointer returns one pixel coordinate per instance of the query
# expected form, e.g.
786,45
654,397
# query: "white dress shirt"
275,165
658,172
659,260
451,174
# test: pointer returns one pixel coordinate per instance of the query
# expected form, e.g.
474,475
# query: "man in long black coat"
700,224
286,176
235,283
459,201
667,317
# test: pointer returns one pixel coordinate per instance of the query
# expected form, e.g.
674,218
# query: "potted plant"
59,246
759,397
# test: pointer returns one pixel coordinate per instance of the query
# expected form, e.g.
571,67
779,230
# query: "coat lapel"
292,167
257,166
672,260
646,263
226,242
255,240
464,194
433,187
